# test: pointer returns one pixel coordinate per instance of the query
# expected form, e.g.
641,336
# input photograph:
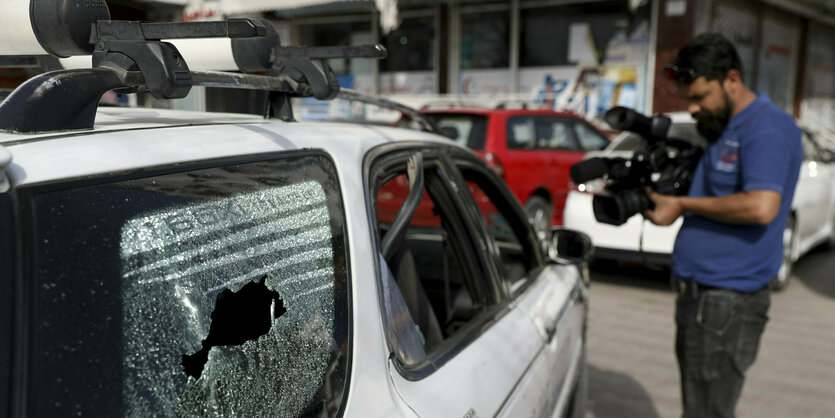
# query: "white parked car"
638,240
161,263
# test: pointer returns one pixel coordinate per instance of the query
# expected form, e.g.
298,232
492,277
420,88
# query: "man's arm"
757,207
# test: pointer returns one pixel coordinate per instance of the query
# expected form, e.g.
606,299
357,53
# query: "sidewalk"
632,366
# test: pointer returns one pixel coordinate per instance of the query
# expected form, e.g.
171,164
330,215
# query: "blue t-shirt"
759,150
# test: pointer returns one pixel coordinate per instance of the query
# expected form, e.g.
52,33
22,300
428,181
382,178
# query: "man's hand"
756,207
667,209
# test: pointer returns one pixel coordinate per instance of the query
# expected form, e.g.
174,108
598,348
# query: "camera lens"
634,201
617,209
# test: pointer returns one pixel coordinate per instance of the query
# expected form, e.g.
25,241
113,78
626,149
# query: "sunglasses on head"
674,72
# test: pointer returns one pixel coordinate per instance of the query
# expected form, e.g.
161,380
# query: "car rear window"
221,291
465,129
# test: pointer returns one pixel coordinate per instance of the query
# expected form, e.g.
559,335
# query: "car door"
463,350
525,165
558,144
552,296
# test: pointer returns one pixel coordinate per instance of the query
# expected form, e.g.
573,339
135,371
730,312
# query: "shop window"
411,46
484,40
546,32
339,34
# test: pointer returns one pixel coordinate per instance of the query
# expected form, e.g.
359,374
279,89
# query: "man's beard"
711,125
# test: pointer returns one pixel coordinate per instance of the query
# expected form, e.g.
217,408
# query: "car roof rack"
130,57
425,123
452,104
517,103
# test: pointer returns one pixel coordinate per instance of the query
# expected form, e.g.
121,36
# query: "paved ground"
633,371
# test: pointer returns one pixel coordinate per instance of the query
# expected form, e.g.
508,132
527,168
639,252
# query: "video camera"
666,166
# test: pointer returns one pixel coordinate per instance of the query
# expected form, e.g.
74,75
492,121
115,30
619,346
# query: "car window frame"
522,229
24,203
379,161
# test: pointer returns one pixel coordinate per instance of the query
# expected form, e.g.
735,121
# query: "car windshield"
220,291
630,141
466,129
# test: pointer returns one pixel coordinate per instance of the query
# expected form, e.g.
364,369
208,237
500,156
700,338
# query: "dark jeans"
718,334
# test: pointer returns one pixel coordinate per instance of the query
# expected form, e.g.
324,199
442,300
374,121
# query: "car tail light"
494,163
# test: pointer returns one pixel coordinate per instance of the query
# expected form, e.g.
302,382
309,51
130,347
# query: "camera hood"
626,119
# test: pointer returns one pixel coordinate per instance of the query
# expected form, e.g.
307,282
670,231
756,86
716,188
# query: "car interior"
428,271
432,267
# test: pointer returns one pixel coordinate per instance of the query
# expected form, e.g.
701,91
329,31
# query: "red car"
531,149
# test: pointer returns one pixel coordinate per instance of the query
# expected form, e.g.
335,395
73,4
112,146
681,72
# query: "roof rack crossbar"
107,30
130,56
279,83
165,72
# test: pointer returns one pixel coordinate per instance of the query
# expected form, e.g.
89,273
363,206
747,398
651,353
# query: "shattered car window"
218,292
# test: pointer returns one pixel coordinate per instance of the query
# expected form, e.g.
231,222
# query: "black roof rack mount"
130,57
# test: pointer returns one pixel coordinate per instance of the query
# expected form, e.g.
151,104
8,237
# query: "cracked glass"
215,292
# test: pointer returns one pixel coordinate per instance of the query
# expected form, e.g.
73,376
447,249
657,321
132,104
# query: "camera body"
666,166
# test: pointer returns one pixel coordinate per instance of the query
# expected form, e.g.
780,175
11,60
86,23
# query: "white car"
161,263
812,221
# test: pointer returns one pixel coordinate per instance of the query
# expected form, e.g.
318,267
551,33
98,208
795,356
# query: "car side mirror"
569,247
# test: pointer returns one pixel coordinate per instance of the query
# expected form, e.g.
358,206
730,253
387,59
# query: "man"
730,244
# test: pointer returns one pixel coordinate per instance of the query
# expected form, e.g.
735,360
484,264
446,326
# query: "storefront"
582,55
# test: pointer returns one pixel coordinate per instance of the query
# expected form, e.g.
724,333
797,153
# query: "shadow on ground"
614,394
633,275
815,271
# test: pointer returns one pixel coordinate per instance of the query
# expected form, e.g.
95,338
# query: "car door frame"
531,242
377,163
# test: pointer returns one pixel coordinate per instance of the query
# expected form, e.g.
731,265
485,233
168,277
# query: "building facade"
583,55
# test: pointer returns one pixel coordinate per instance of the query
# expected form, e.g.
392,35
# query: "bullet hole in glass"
238,317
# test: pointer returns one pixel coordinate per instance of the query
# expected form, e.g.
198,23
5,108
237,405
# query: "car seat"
407,279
